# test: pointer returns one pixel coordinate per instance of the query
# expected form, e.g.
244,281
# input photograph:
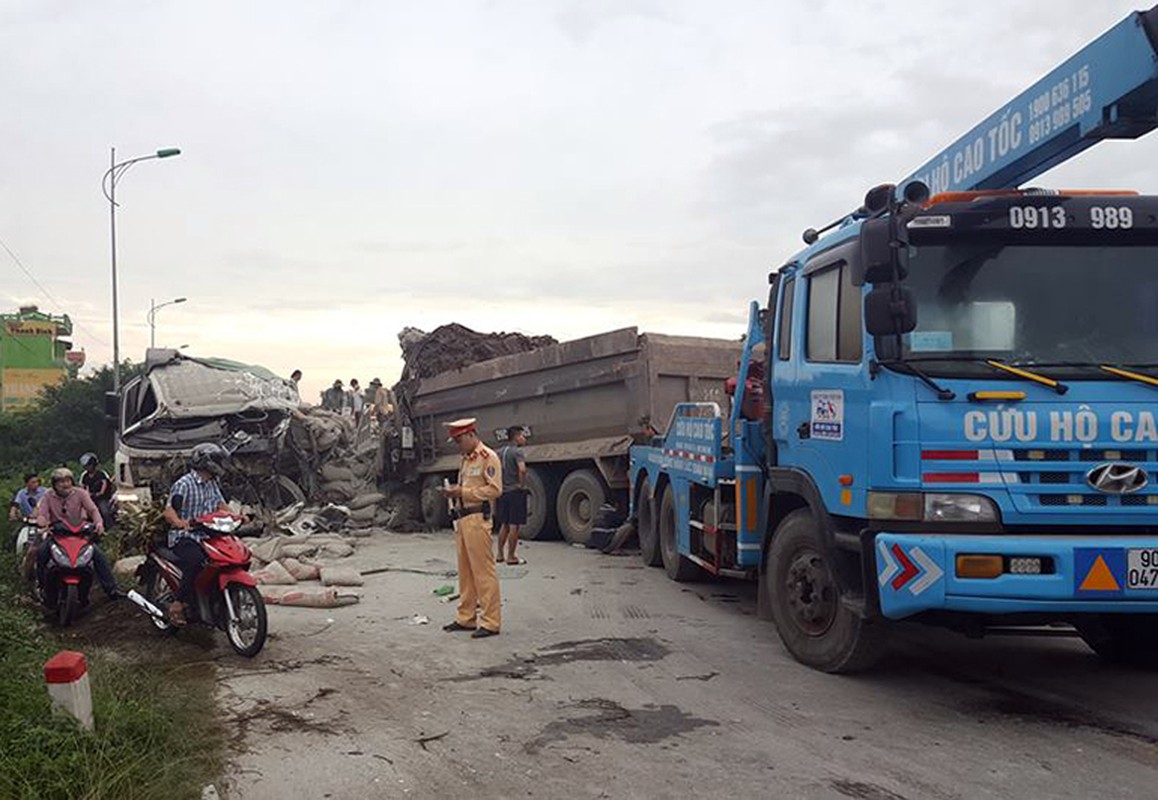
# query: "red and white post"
66,674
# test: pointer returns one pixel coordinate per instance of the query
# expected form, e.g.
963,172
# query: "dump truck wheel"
648,532
435,513
678,567
1127,639
816,628
540,505
580,497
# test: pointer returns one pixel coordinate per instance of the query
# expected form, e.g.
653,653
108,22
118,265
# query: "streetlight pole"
109,187
153,309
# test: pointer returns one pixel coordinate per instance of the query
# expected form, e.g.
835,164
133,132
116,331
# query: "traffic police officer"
480,481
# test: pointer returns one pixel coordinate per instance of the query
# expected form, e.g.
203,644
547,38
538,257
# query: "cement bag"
300,571
336,550
365,500
297,550
341,490
363,514
127,567
341,576
362,469
274,574
330,597
332,473
272,594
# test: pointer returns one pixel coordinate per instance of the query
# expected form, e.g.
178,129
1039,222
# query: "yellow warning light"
980,566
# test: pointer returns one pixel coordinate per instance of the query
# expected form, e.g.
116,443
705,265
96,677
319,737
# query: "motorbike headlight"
932,507
58,555
85,557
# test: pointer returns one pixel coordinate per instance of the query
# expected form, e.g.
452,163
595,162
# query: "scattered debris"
341,576
419,619
425,740
127,567
450,598
444,590
705,677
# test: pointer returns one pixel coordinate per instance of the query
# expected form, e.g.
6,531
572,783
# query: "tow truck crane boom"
1107,90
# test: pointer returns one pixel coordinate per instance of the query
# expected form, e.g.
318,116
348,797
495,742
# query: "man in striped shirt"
193,495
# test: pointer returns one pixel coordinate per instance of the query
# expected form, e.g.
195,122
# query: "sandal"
516,562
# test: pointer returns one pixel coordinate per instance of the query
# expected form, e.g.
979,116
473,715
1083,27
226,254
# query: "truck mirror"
890,310
882,253
112,406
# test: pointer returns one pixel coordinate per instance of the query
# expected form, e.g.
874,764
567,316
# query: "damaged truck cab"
179,402
962,415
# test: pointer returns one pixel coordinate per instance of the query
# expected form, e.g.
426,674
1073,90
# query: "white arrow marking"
932,574
891,567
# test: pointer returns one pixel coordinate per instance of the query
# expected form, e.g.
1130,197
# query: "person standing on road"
334,398
296,379
357,400
511,507
99,486
479,482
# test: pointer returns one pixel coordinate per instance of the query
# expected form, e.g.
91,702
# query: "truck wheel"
580,496
1128,639
816,628
679,568
648,532
435,513
540,505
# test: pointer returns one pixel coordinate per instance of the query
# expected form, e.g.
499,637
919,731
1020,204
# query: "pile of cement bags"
284,566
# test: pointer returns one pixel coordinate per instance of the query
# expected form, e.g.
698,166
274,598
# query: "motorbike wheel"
247,626
158,593
68,605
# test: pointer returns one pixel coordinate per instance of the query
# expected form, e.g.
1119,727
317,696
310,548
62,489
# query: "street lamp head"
165,152
180,300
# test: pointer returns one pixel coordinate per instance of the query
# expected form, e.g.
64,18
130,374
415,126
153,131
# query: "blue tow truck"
948,410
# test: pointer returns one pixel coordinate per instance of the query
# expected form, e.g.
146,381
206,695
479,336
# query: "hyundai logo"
1117,478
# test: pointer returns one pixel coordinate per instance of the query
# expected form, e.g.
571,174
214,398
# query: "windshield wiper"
942,392
1012,369
1149,380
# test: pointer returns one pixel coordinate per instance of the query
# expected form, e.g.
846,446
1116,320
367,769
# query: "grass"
156,736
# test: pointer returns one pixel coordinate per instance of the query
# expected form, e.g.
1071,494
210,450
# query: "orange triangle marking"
1099,578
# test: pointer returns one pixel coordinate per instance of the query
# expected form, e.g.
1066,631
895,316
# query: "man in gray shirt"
511,507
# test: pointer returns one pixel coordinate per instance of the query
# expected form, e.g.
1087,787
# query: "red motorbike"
69,576
226,594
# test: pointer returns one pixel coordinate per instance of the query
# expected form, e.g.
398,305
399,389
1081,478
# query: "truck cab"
958,421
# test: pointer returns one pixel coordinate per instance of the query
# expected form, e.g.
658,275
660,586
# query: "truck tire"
648,530
580,496
540,523
816,628
679,568
1127,639
435,513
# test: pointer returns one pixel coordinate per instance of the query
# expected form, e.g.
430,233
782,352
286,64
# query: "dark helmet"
209,457
88,458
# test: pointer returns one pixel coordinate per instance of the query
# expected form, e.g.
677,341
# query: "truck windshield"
1070,307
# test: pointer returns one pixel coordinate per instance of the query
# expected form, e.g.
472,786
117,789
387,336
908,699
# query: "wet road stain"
606,719
608,649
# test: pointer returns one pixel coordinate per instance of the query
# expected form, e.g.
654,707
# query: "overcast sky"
565,167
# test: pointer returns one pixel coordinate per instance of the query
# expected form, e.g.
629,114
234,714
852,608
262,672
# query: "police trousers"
478,581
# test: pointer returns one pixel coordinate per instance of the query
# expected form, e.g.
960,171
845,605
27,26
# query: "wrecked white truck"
285,453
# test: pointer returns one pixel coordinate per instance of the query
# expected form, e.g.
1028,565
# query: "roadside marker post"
66,674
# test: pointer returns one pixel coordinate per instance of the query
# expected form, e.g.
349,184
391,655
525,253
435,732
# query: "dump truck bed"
580,399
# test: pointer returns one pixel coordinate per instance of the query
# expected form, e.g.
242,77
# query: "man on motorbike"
24,503
70,505
99,486
194,494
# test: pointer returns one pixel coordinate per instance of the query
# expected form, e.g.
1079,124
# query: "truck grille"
1057,478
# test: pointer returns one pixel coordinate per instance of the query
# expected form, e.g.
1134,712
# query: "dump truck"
946,411
583,403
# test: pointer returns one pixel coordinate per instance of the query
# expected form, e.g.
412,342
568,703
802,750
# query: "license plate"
1142,570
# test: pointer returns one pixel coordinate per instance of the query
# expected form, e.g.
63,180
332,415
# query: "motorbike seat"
167,554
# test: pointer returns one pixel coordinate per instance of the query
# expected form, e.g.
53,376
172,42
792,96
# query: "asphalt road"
611,681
